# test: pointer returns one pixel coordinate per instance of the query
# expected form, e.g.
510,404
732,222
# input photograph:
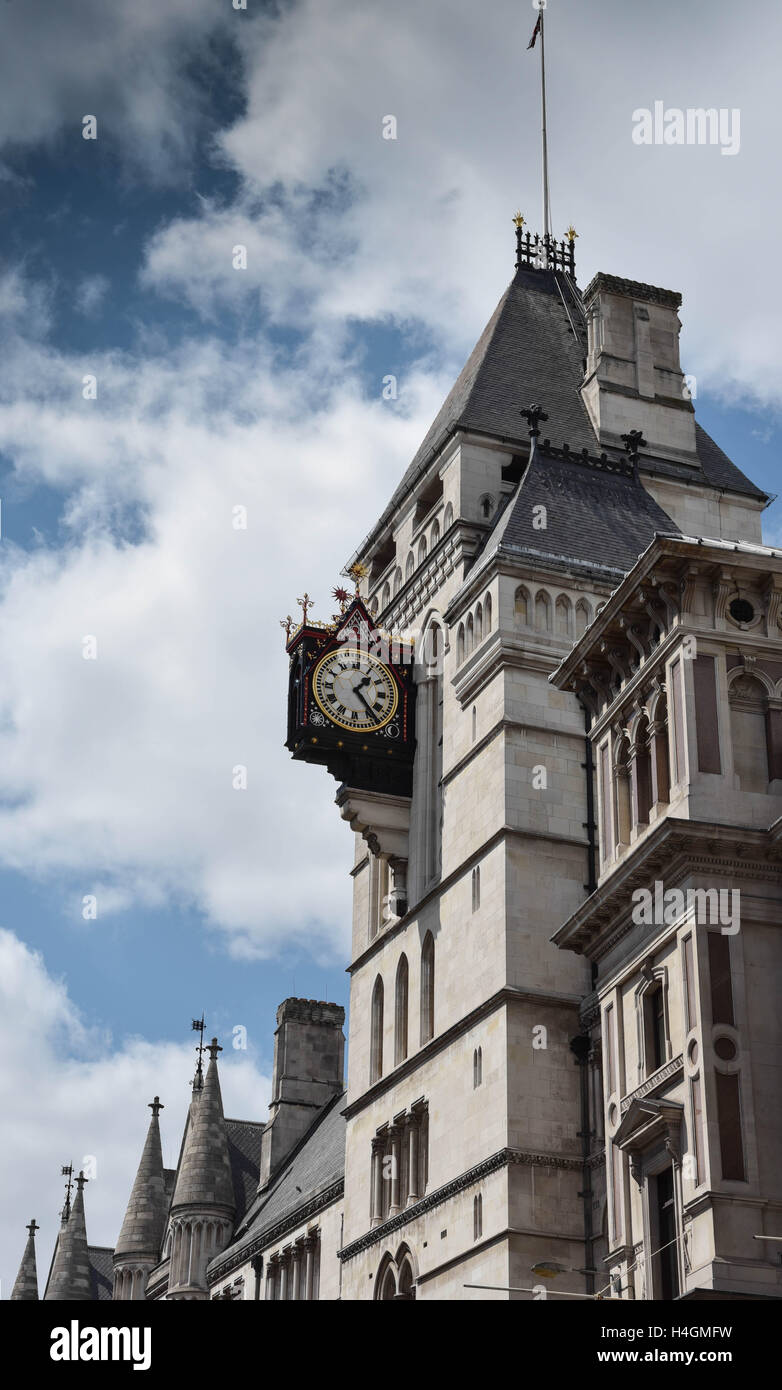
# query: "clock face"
354,690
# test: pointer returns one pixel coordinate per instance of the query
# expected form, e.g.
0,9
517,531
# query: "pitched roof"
598,515
101,1259
534,348
244,1150
315,1165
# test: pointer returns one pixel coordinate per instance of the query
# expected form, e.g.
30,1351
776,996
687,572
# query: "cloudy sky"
261,387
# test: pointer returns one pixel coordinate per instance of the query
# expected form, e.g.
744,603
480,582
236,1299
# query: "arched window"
397,581
386,597
487,612
748,706
521,607
460,648
376,1033
642,773
410,566
622,792
427,988
477,1067
470,635
474,723
476,888
448,518
479,623
422,550
564,619
477,1217
373,607
583,616
542,611
435,535
406,1281
400,1012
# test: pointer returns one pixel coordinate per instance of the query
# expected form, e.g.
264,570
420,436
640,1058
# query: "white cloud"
90,294
124,780
68,1092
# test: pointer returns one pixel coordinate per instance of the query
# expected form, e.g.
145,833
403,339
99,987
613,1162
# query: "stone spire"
25,1289
145,1218
70,1279
204,1178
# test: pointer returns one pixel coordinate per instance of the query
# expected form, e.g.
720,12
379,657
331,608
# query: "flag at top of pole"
541,5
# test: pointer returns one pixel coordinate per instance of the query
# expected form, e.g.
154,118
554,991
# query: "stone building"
589,1108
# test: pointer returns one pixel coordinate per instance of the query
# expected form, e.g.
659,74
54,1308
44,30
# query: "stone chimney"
309,1052
634,379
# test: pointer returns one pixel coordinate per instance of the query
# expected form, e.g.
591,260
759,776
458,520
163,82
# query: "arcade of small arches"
553,613
472,631
192,1243
401,998
423,545
396,1277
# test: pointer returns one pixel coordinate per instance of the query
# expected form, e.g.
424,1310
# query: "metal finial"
67,1172
306,603
198,1027
519,221
571,233
357,572
287,623
533,416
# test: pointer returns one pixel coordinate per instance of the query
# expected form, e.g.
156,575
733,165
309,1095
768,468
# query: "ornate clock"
350,700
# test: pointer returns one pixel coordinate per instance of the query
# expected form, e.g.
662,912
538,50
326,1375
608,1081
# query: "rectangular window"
677,705
605,802
729,1117
616,1191
721,983
696,1098
706,720
609,1062
689,983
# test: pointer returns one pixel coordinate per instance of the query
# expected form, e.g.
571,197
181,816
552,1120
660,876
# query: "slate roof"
593,516
244,1152
101,1272
317,1162
529,352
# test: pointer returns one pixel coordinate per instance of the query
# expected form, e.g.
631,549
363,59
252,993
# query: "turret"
309,1048
70,1279
25,1289
141,1237
203,1204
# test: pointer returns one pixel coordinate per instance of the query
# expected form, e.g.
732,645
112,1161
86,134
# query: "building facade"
553,1087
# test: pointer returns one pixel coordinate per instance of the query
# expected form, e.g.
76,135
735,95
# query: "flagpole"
546,210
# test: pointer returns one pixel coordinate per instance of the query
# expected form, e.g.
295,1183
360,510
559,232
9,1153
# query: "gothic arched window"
521,607
583,616
487,612
470,643
397,580
476,888
477,1067
448,518
477,1217
400,1012
460,645
410,566
376,1033
564,616
386,597
435,535
422,550
479,623
542,611
427,988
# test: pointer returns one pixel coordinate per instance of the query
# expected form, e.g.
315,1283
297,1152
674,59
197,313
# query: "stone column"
395,1135
296,1260
284,1277
309,1268
271,1277
412,1164
377,1181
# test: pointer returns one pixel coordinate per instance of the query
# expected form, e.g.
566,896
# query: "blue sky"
264,387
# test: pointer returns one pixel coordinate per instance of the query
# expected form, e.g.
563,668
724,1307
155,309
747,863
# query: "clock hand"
365,703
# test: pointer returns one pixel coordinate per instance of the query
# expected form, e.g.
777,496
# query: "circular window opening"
725,1049
741,610
692,1052
613,1115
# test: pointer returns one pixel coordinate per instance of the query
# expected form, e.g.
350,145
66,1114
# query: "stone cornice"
233,1258
661,1077
632,289
502,1159
739,851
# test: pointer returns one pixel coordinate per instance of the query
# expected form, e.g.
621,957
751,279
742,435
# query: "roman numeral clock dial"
355,690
